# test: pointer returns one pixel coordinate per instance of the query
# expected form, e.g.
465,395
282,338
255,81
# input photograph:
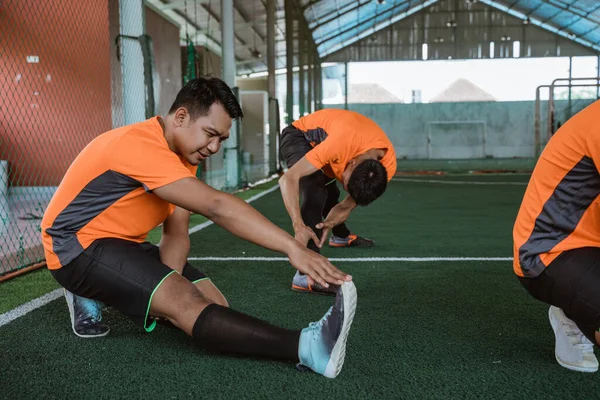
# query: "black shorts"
572,283
293,145
122,274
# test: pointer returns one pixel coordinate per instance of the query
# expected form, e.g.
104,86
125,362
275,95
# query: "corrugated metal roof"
200,21
334,27
337,24
459,30
578,20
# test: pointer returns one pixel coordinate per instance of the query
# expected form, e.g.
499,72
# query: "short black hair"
199,94
367,182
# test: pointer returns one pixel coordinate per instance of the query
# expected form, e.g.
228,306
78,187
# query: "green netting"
192,57
55,96
65,80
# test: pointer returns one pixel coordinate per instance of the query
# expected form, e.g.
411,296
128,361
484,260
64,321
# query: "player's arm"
338,214
239,218
289,185
175,242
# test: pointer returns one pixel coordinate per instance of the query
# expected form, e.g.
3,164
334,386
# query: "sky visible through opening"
505,79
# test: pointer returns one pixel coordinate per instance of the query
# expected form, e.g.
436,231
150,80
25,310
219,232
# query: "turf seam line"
359,259
31,305
460,182
409,173
250,200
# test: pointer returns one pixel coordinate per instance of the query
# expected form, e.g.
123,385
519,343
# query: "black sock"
312,246
222,329
341,231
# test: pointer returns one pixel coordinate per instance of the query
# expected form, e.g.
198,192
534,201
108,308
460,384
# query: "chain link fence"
72,70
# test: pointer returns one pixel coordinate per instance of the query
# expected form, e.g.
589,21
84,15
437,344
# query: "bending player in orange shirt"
321,148
557,238
128,181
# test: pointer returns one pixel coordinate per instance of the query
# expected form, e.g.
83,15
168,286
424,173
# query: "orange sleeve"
327,152
391,169
593,148
390,164
147,160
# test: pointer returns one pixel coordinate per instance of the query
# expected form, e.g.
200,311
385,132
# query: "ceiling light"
255,53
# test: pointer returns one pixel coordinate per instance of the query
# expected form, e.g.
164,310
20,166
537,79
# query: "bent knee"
176,298
211,293
221,300
216,297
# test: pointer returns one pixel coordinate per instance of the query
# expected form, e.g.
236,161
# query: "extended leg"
321,346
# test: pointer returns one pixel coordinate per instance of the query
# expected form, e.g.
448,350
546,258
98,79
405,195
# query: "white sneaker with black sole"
573,350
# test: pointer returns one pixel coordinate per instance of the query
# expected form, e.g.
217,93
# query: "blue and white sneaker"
322,346
86,316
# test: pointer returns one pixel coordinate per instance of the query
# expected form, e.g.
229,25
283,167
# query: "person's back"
559,211
352,133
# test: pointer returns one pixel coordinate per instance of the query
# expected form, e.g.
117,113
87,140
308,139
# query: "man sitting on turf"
557,238
129,180
323,147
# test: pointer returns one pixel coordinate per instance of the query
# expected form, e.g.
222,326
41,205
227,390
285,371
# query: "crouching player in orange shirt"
321,148
557,238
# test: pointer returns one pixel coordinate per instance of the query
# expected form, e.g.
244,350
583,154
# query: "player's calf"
321,346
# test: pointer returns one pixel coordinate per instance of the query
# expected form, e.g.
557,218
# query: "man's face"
200,139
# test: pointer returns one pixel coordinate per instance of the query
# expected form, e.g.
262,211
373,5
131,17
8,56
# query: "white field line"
23,309
438,181
366,259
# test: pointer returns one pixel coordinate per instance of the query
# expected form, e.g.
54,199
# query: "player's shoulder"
149,128
323,114
138,134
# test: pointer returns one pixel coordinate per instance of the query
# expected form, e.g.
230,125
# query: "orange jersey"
561,210
341,135
107,191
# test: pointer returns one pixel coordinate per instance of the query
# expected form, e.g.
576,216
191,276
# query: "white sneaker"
573,350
